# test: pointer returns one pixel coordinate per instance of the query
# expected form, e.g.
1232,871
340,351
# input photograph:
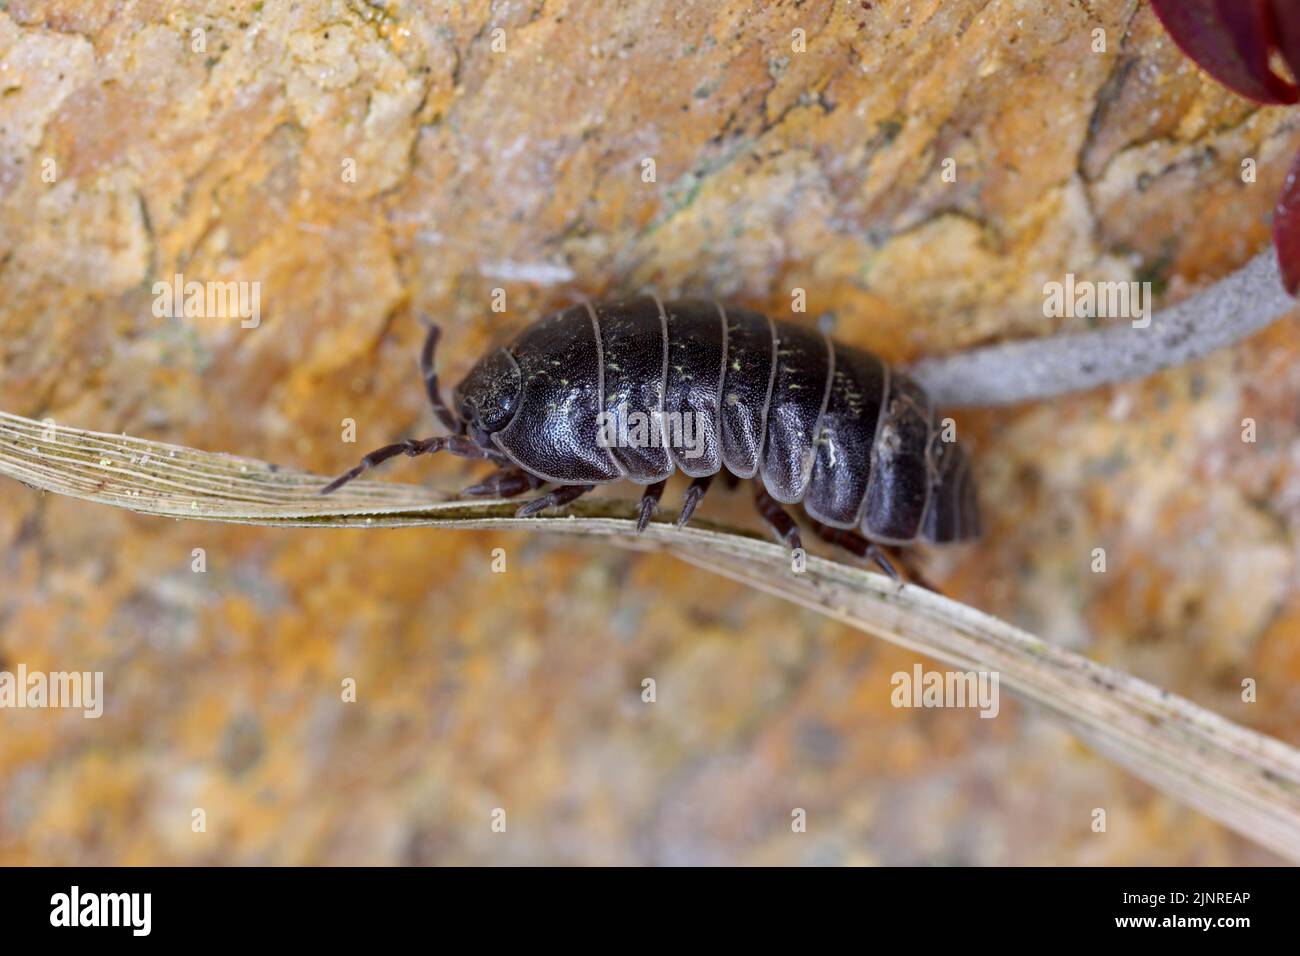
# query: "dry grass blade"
1245,780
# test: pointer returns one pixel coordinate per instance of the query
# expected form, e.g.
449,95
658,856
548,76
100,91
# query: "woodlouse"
814,421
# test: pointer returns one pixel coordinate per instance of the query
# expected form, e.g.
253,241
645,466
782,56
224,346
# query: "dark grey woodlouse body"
816,422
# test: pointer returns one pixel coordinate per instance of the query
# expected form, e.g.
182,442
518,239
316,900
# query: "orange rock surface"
368,163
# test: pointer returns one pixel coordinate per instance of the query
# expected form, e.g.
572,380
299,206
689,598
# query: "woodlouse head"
488,397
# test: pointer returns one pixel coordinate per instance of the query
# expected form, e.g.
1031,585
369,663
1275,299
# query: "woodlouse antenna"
460,445
445,414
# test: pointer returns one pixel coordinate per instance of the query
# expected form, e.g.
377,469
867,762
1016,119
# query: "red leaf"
1231,40
1286,17
1286,229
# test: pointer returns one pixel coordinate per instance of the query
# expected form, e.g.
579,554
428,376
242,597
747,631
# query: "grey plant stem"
1226,312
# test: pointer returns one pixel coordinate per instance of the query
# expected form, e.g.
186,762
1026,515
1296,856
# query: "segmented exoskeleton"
814,421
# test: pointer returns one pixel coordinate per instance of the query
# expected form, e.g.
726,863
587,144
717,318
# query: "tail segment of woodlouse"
813,421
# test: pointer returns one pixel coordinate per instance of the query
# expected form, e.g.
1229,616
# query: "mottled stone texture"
522,169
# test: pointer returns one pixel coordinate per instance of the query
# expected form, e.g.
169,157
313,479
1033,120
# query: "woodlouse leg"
440,408
650,504
913,573
460,445
553,499
729,480
857,545
505,483
777,518
693,496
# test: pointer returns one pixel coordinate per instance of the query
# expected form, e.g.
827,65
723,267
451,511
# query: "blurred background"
369,162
